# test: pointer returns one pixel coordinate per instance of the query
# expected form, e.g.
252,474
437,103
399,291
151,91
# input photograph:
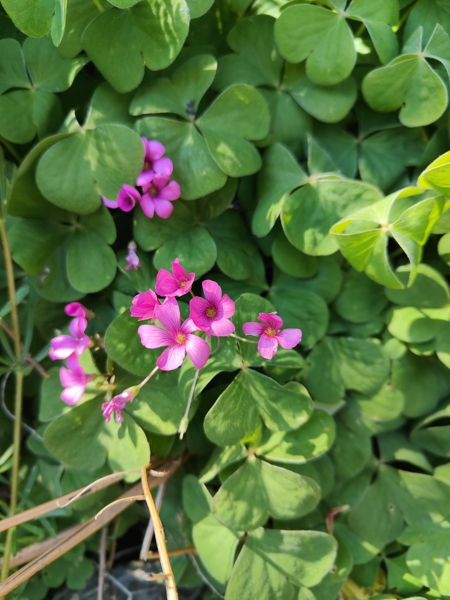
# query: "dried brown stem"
102,564
171,587
176,552
148,537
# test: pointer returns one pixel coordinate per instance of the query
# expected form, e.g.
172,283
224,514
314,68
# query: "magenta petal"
145,178
172,357
166,284
153,150
154,337
197,350
189,326
227,306
77,327
187,286
73,362
221,328
179,272
148,205
68,378
198,306
163,166
252,328
271,320
71,395
159,182
212,291
75,309
168,314
170,192
83,343
127,198
62,347
163,208
109,203
289,338
267,346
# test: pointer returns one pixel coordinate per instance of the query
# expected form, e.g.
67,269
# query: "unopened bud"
184,423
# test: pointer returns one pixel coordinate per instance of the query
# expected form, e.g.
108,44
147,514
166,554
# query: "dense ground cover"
171,173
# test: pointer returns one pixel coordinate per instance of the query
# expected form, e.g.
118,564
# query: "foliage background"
283,121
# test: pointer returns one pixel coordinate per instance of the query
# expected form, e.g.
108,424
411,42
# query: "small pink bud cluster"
117,404
210,315
156,192
69,347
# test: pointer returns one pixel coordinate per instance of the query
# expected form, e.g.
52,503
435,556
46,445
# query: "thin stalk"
185,420
171,587
17,395
147,379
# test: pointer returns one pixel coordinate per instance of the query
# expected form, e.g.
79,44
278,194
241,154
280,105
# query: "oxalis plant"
224,307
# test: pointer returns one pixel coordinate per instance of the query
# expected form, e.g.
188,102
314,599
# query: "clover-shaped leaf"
324,38
363,237
33,109
410,83
32,17
437,175
153,32
258,489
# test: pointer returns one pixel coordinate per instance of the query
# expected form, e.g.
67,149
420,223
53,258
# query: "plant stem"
17,396
147,379
185,420
236,337
171,587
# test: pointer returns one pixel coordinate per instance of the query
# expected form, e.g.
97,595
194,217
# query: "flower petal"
153,149
179,272
221,328
168,314
128,197
252,328
271,320
163,166
109,203
172,357
62,347
213,292
289,338
267,346
163,208
227,306
153,336
198,307
198,350
189,326
145,178
166,284
148,205
71,395
77,327
171,191
75,309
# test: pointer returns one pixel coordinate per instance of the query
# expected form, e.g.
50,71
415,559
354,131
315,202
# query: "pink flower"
158,197
177,284
128,197
117,404
154,165
75,309
144,305
62,346
132,258
271,335
212,314
178,338
74,380
109,203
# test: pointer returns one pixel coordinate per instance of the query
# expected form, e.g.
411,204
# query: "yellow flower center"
211,312
270,331
147,166
153,191
181,338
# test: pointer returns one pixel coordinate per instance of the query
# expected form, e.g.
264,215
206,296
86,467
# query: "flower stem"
185,420
17,396
147,379
236,337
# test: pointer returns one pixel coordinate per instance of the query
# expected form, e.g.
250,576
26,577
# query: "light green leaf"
432,434
154,32
75,172
195,248
436,175
429,562
107,107
194,168
91,263
222,458
239,114
429,289
78,16
59,22
197,8
32,17
257,490
416,325
321,37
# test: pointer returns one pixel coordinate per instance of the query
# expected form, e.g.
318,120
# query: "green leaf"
304,557
429,562
181,94
257,490
237,115
321,37
350,453
291,261
107,107
197,8
13,73
195,248
32,17
79,14
153,233
360,298
308,213
155,32
432,434
279,175
237,255
330,103
332,150
349,363
222,458
123,346
53,284
211,206
194,168
75,172
325,284
429,289
235,415
91,263
59,22
416,325
312,440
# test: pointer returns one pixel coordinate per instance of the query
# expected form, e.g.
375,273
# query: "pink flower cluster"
210,315
69,347
157,192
